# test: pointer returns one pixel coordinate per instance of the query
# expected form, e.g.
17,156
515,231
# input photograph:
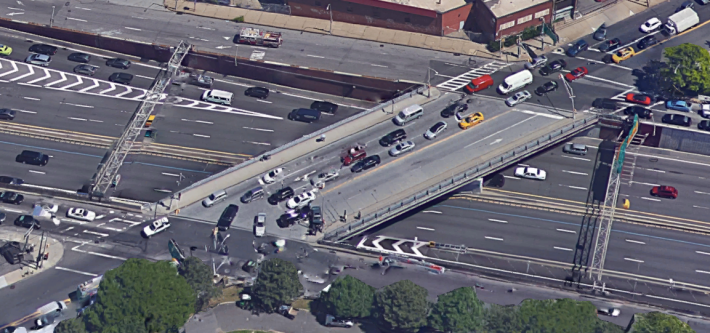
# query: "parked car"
517,98
271,176
257,92
38,59
200,80
11,180
471,120
454,109
642,112
79,57
11,197
651,25
122,78
685,4
536,62
81,214
323,106
678,105
43,49
553,67
7,114
368,163
228,215
609,45
578,73
281,195
332,322
676,119
393,137
668,192
546,88
27,221
605,103
600,34
156,227
646,42
611,312
577,47
623,54
260,225
575,149
118,63
433,131
401,148
325,177
301,200
353,155
704,125
639,99
85,69
531,173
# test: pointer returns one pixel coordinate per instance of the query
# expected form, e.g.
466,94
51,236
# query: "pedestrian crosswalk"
460,81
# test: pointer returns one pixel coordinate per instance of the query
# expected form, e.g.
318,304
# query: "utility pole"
570,93
51,20
330,29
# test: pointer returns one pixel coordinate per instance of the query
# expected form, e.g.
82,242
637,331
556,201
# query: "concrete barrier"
312,79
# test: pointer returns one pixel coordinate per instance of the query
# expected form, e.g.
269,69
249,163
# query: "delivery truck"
682,21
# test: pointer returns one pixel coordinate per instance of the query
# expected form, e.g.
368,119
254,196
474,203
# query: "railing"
383,214
311,136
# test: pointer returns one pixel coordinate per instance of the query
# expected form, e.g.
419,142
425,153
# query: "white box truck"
682,21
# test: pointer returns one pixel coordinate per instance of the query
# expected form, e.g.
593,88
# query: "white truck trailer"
682,21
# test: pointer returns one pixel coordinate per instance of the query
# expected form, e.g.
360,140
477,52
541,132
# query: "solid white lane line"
259,143
494,238
567,231
654,170
170,174
82,8
135,29
145,77
650,199
511,177
38,172
204,122
376,65
314,56
259,129
95,233
25,111
498,221
427,229
432,211
14,210
634,260
701,207
201,135
576,173
575,187
647,184
76,19
107,256
703,253
698,192
562,248
635,241
96,121
525,165
577,158
31,98
74,271
80,119
701,272
263,101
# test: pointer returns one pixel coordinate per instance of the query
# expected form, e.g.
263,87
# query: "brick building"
496,19
433,17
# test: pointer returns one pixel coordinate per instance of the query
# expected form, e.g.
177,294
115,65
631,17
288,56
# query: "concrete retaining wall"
323,81
687,141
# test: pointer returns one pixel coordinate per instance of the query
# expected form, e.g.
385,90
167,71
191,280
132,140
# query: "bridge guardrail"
393,210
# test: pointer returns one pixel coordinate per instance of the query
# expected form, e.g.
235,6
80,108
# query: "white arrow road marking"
64,78
46,76
13,14
96,84
113,87
73,84
95,233
222,47
74,271
32,71
494,142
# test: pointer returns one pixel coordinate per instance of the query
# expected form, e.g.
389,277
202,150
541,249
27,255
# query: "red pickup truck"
353,155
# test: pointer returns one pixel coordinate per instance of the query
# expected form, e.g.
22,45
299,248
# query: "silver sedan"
401,148
519,97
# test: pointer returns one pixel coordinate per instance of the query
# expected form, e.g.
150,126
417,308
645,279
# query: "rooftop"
438,6
501,8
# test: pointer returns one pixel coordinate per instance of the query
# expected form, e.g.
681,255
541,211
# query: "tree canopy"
402,306
349,297
276,285
199,276
140,291
656,322
458,311
688,67
74,325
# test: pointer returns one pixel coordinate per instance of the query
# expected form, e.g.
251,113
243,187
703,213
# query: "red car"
576,74
638,98
664,192
353,155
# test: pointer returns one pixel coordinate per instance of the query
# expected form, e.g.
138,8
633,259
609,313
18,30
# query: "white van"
217,96
515,82
408,114
54,307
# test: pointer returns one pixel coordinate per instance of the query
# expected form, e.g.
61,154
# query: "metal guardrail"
383,214
304,138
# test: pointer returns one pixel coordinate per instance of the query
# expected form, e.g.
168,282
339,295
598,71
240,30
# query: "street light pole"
51,20
330,28
570,93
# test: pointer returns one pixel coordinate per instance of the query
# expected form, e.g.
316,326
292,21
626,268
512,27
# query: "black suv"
605,103
79,57
393,137
281,195
12,197
677,119
453,109
11,180
118,63
546,88
640,111
579,46
552,67
122,78
43,49
367,163
228,215
7,114
32,157
27,221
646,42
326,107
257,92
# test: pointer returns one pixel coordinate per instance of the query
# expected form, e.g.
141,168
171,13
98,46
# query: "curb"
55,250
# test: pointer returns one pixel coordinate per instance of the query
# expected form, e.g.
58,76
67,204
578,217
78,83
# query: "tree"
140,291
276,285
75,325
502,319
402,306
199,276
560,316
349,297
129,324
458,311
688,67
656,322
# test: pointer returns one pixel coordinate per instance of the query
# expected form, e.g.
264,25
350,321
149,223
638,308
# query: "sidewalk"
26,270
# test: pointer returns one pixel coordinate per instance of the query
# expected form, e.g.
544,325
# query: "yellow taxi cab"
149,122
471,120
623,54
5,50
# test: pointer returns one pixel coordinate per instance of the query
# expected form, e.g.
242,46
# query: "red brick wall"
518,28
482,20
378,17
450,20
